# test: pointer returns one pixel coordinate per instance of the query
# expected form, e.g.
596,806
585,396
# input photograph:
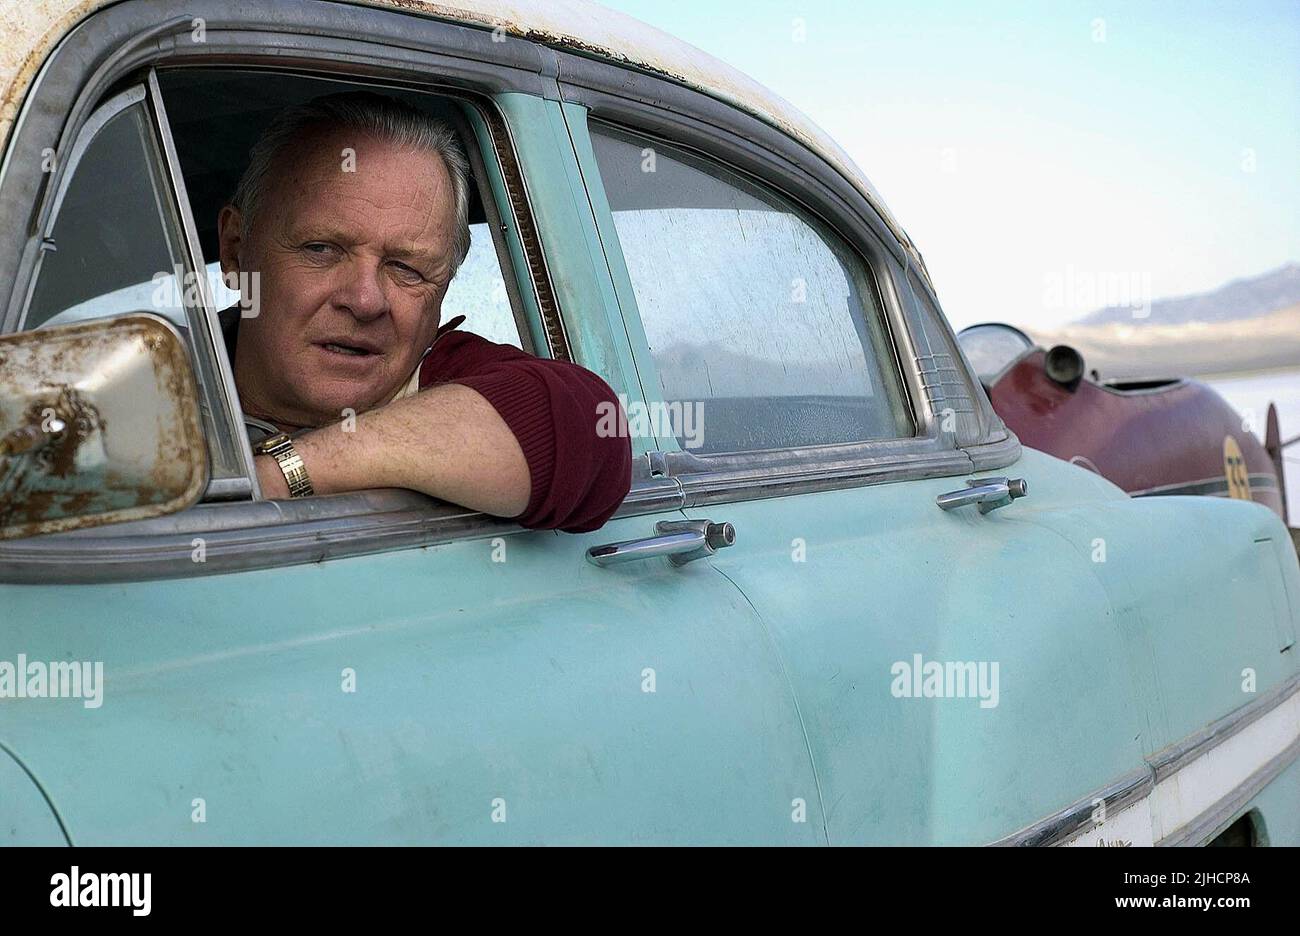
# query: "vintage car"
1151,437
845,606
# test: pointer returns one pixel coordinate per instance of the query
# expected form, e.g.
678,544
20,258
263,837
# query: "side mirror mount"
99,423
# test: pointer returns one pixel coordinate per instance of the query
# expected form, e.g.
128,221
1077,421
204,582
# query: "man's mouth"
352,350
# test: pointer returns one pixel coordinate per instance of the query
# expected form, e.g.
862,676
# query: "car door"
373,667
829,415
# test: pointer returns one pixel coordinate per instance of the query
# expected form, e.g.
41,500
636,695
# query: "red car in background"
1174,436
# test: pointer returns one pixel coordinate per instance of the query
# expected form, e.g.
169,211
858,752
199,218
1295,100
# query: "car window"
112,235
116,247
754,312
478,292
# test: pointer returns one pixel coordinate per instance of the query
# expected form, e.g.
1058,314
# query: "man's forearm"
446,441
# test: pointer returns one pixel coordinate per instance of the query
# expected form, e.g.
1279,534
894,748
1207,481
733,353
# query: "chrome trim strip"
999,454
762,481
228,489
251,535
1169,760
114,64
1068,822
248,485
1073,819
1226,811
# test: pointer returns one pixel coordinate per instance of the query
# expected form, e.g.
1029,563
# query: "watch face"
266,445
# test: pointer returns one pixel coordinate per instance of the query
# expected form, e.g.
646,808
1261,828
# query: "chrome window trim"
322,39
143,94
728,487
1061,826
248,485
250,535
36,205
403,47
875,267
655,107
64,172
875,261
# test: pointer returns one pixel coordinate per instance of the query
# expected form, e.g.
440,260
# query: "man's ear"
230,233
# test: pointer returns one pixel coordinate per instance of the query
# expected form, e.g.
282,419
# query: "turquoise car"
841,604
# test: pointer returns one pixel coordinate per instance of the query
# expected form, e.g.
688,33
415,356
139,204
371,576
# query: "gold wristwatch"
280,447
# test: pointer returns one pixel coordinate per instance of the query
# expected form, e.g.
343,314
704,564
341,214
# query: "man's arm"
498,430
446,441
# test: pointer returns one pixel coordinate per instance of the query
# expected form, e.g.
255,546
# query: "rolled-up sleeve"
579,475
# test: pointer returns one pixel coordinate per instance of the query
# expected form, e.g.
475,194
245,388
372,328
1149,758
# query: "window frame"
656,107
214,385
400,48
886,357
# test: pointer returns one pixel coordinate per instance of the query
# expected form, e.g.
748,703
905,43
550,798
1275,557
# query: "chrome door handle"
682,541
989,493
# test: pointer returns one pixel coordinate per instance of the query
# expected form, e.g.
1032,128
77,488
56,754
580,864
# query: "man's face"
354,266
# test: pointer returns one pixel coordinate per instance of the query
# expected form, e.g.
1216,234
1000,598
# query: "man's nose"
362,292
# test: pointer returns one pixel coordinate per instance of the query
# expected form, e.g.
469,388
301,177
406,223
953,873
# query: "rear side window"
751,308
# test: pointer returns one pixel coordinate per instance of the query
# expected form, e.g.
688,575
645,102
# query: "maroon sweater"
578,477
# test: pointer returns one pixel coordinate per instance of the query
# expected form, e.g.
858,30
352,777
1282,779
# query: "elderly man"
354,212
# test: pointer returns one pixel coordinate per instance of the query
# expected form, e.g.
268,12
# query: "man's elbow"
591,469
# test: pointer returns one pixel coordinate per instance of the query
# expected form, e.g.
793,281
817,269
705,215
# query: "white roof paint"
30,29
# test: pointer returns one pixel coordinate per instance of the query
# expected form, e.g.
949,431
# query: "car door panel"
852,582
641,704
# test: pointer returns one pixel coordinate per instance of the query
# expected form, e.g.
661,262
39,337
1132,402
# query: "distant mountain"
1135,349
1237,300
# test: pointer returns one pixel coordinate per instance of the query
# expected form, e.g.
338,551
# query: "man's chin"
340,400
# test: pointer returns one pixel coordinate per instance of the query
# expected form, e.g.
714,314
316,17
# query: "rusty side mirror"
99,423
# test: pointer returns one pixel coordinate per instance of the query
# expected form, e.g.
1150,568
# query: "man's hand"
447,441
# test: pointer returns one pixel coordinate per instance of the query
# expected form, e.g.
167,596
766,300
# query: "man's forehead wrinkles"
363,216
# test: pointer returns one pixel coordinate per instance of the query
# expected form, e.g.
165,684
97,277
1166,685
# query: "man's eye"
318,249
408,274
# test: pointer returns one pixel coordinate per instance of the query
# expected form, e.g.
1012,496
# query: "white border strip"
1197,788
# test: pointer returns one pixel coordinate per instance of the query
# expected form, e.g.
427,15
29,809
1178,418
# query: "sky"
1038,153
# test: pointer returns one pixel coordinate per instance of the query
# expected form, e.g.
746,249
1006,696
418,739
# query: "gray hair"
390,120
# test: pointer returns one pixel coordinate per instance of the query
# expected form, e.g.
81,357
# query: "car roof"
30,30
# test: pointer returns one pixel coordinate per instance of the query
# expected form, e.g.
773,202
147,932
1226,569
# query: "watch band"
280,447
